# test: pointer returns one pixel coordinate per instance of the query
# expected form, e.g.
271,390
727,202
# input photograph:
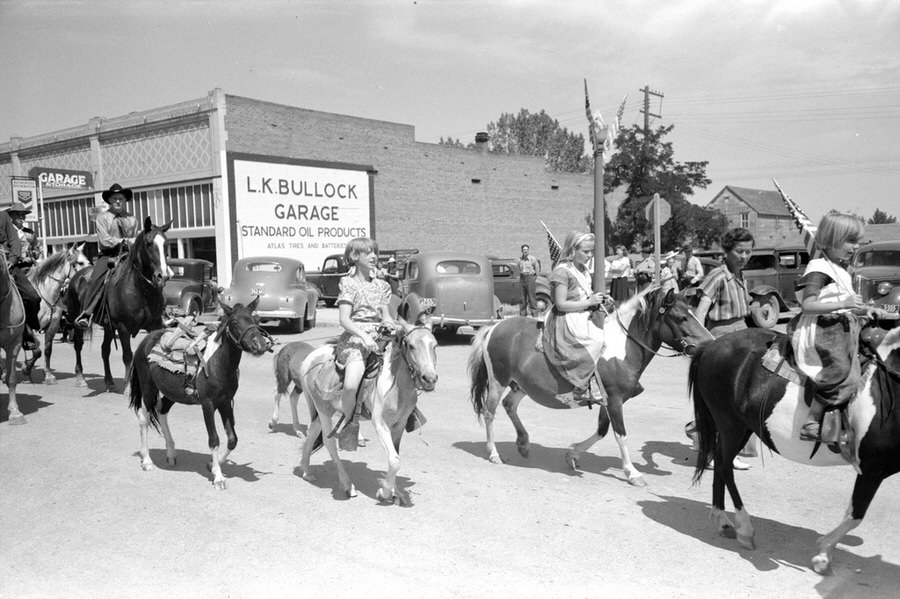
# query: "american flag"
613,133
555,250
807,228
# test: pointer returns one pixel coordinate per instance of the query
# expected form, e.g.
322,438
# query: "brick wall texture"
424,193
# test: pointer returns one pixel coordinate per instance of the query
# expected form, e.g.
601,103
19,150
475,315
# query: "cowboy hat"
667,255
18,207
116,188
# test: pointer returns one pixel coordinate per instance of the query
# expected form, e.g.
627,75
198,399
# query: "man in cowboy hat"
116,228
12,221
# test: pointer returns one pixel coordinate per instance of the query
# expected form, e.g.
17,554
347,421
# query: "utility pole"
647,114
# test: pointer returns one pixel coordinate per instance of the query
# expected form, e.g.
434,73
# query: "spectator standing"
692,271
529,267
617,271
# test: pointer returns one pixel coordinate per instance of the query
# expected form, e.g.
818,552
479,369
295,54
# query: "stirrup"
82,322
811,431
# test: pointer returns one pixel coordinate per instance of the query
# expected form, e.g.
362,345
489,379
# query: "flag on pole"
555,250
613,132
807,228
596,125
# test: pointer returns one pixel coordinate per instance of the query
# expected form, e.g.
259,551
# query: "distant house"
762,212
884,232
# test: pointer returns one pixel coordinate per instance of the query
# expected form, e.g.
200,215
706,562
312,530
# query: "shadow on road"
192,461
363,478
28,403
668,452
781,545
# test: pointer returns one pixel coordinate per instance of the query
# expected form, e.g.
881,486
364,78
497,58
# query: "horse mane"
49,265
636,304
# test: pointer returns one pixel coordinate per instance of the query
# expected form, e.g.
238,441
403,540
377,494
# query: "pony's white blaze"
890,343
160,244
790,413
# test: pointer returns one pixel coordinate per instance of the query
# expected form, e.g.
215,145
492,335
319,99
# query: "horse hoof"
272,424
727,531
170,462
637,481
747,541
80,382
308,477
495,458
16,420
523,450
147,467
820,564
351,492
299,433
49,380
220,484
572,461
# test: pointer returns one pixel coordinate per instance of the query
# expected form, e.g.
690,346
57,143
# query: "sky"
801,91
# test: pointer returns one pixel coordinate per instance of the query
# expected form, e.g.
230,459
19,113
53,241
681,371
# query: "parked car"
191,290
327,280
507,283
771,275
876,274
457,288
284,293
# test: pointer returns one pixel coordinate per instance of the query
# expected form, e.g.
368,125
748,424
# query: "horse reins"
641,343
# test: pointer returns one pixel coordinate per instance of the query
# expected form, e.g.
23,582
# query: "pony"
735,395
506,356
133,298
409,365
287,365
50,277
238,331
12,325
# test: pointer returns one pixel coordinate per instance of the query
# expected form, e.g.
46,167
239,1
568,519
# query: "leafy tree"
644,165
882,218
539,135
454,143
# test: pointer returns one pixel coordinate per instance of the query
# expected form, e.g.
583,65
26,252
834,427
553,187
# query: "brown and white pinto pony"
736,396
505,357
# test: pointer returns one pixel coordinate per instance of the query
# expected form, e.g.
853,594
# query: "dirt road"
79,518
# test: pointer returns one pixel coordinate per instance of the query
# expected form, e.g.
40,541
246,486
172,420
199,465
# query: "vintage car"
457,288
771,275
280,283
191,290
876,274
507,284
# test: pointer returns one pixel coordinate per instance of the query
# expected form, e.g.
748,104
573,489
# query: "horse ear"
252,305
166,226
148,224
226,308
79,247
670,297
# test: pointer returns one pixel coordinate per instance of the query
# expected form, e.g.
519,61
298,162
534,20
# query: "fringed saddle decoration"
181,348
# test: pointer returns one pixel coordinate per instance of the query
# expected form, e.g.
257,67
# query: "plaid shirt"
728,294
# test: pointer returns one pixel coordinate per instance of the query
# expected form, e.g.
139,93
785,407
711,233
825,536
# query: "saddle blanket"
180,349
775,362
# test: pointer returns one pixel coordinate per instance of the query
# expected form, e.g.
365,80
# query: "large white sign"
304,212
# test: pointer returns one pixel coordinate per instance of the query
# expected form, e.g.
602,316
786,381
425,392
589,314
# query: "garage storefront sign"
298,209
58,178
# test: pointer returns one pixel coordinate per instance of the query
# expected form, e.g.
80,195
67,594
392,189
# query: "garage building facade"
177,160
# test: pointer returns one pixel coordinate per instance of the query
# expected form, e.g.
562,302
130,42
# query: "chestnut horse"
505,356
735,395
133,299
216,384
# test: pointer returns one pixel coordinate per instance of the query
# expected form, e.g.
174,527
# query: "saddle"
181,348
836,432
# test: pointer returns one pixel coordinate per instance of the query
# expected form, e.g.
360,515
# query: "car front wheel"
543,303
764,311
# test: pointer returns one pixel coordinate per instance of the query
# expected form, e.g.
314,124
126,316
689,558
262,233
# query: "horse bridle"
663,310
239,341
405,347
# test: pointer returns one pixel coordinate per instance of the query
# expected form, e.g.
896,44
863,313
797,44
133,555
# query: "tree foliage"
455,143
882,218
645,165
539,135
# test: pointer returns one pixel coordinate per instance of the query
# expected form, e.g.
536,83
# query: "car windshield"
878,258
177,270
457,267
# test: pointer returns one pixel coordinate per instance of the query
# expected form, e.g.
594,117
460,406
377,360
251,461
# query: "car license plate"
256,291
892,308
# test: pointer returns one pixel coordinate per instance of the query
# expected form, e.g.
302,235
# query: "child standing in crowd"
668,274
825,335
572,341
362,307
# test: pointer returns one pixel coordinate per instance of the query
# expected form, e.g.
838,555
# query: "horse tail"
704,424
281,364
136,398
478,370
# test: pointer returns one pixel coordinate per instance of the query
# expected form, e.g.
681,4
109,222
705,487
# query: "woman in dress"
617,271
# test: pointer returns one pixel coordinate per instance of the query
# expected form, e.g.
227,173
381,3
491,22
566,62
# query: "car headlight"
884,288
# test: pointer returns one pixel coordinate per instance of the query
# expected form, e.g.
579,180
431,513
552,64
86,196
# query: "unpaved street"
79,518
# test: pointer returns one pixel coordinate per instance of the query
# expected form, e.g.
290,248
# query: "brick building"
198,164
762,212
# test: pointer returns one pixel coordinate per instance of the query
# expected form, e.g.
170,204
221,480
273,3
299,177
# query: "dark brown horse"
133,298
735,395
238,331
504,356
12,325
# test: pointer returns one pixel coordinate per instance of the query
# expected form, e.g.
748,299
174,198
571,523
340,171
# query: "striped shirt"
728,294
